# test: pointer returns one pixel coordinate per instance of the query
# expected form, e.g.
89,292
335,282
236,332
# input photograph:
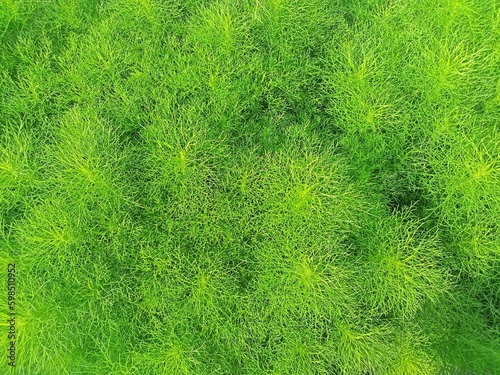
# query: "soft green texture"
251,186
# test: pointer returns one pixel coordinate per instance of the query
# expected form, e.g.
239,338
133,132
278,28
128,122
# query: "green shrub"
251,187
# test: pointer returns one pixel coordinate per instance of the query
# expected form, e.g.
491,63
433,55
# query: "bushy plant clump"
251,187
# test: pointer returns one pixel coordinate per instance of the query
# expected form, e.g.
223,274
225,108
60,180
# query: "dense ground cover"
251,187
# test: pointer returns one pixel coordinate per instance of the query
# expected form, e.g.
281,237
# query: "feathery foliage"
251,187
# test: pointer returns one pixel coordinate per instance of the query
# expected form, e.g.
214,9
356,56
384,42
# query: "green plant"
251,187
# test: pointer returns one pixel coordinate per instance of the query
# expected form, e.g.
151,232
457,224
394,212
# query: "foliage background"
252,186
